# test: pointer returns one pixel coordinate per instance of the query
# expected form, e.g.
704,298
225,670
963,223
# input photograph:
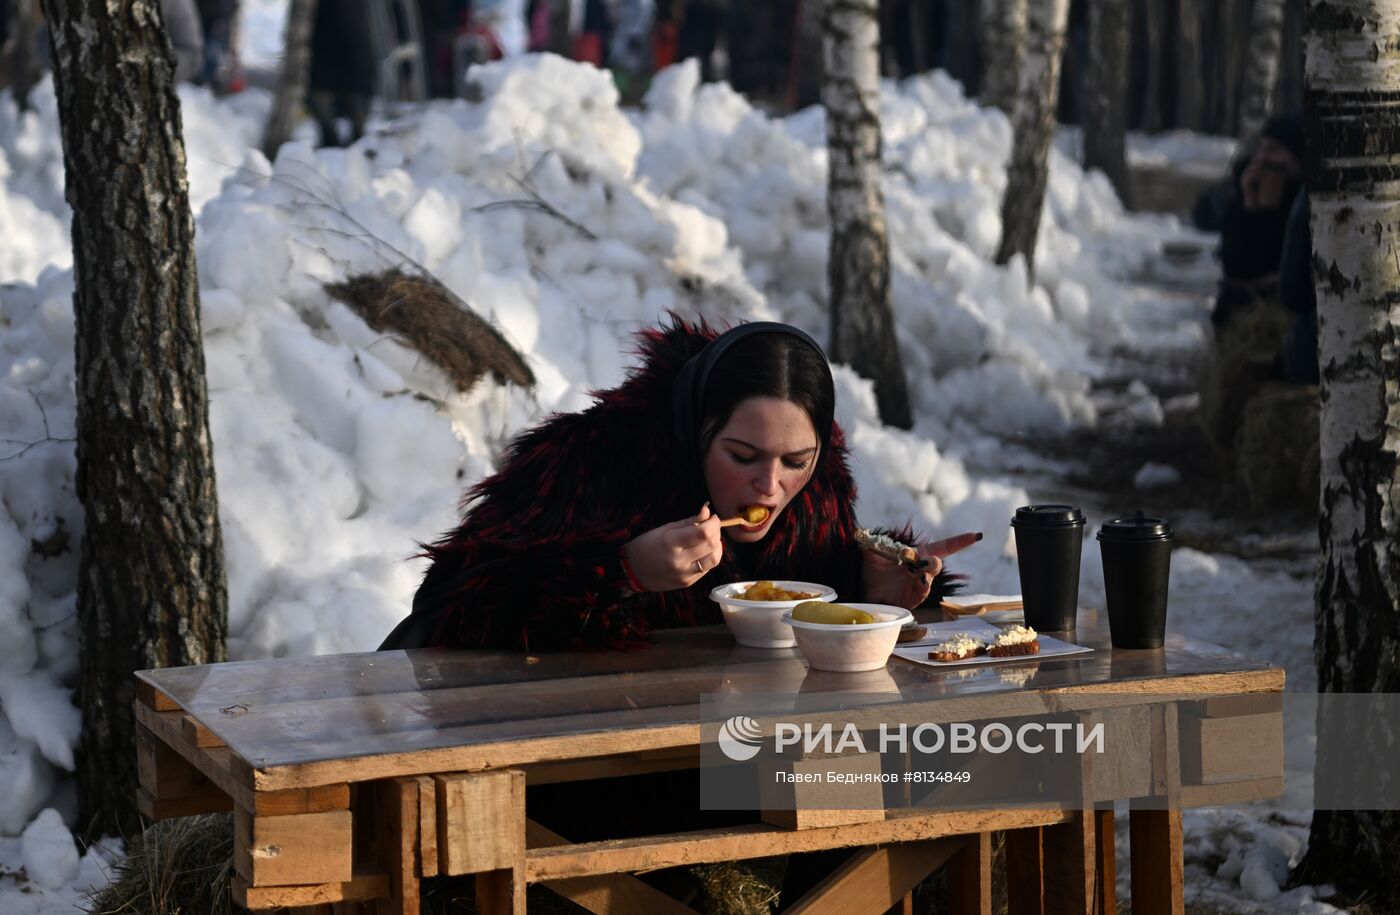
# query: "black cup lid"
1047,516
1136,527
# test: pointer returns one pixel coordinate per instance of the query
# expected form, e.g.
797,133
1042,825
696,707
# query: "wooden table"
351,777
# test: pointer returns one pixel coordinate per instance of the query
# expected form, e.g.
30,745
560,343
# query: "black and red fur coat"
535,563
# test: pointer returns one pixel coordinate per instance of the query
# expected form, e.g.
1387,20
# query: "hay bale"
1244,358
176,867
426,316
741,887
1277,450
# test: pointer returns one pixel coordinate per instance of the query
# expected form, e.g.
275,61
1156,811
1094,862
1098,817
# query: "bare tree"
1261,66
1188,65
1152,14
292,77
1219,28
963,55
1003,24
1033,122
151,586
1105,96
858,270
1352,53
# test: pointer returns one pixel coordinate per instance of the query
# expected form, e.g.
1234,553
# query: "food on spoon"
1015,642
816,611
959,648
885,546
767,590
749,516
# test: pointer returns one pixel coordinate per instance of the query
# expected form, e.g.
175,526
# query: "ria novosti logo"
740,738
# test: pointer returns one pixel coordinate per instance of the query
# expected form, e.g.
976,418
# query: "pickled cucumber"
816,611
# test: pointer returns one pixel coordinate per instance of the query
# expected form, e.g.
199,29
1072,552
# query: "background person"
1251,235
343,70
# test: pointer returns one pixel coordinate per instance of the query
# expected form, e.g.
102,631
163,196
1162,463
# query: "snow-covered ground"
698,203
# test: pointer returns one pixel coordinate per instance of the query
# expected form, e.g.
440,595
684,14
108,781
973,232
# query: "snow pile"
33,214
1153,475
971,334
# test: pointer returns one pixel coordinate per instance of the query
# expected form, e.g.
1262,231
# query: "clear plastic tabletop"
293,711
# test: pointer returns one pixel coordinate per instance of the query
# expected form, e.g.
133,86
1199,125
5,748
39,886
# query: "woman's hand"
678,554
889,582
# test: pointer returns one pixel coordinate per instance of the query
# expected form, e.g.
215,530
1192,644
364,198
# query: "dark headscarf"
1287,129
688,396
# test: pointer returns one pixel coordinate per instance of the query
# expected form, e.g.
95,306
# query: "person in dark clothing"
343,69
220,69
1297,359
589,534
1251,237
702,25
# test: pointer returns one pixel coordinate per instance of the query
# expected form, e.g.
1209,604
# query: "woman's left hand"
889,582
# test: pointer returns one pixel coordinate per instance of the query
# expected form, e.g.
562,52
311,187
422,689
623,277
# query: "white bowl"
759,623
851,646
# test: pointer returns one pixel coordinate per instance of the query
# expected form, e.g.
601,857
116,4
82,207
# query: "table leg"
1025,867
1156,860
1069,866
481,830
970,877
396,844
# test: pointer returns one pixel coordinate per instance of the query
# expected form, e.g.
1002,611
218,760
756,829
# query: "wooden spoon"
750,515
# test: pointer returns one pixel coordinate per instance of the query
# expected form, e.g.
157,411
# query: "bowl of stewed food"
753,610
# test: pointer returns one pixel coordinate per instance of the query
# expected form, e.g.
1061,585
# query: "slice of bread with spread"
1015,642
959,648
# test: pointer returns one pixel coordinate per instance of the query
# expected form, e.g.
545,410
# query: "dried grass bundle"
181,866
426,316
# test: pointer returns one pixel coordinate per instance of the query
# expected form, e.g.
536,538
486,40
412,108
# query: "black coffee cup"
1049,539
1137,555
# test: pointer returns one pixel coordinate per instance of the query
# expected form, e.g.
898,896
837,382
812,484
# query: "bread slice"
886,546
1020,649
1015,642
959,648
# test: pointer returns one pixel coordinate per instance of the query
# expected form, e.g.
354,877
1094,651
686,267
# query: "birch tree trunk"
151,586
1003,25
1033,123
1105,98
291,77
858,269
1353,122
1261,66
1188,65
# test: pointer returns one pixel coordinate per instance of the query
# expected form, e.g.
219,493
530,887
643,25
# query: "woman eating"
602,525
